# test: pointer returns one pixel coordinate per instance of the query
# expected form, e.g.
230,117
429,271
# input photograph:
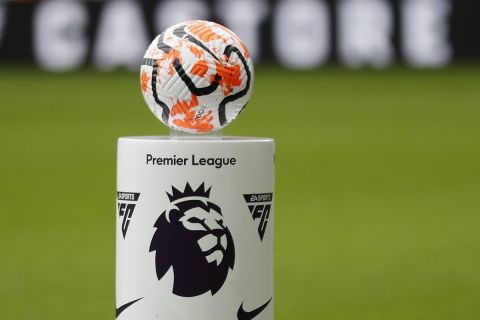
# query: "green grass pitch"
377,200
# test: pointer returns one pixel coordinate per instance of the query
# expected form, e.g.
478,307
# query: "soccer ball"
197,76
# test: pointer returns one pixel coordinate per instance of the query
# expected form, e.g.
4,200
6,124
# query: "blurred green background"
378,190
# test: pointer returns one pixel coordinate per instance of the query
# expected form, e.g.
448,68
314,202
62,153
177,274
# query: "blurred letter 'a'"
425,32
121,38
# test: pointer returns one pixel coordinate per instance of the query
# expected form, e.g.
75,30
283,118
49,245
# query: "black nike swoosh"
125,306
249,315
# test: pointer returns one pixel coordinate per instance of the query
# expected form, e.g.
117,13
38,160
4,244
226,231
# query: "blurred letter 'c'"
425,32
121,38
244,18
59,40
365,28
301,33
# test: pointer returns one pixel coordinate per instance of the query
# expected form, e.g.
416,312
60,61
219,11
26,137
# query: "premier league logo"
192,238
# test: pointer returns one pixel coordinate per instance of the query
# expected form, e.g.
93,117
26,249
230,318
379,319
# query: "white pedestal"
195,228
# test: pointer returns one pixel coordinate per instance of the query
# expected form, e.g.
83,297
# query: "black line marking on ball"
191,86
162,45
154,64
165,109
149,62
221,108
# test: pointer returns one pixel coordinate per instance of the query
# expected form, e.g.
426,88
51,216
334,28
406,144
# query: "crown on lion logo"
188,192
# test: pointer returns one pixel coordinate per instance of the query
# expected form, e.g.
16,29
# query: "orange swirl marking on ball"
201,123
204,32
230,74
196,51
144,79
200,68
245,50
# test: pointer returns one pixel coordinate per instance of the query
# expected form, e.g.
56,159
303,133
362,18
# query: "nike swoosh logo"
125,306
249,315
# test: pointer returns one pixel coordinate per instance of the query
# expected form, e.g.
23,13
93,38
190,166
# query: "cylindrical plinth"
195,228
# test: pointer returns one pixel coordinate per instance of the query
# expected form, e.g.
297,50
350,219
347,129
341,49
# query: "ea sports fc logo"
191,237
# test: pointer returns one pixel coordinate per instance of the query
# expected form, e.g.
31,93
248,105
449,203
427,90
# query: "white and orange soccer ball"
197,76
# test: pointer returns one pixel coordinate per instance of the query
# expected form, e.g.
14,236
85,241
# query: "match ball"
197,76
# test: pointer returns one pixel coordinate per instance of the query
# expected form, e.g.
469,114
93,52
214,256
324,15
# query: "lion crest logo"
191,237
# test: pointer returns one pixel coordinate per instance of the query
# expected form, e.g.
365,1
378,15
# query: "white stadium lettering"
298,34
301,33
245,18
121,37
425,32
59,41
365,33
171,12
